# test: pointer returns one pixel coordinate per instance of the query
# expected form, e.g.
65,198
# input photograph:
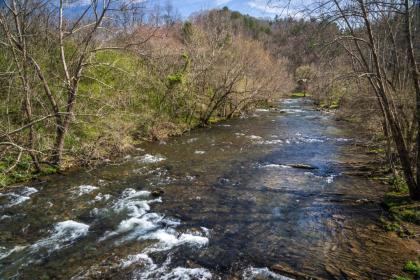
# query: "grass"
402,208
214,120
22,172
332,106
404,213
397,277
300,94
376,151
413,267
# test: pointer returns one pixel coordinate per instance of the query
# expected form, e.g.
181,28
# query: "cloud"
222,2
264,7
282,8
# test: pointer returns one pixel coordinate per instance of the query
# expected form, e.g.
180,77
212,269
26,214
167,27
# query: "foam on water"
4,252
19,196
272,165
340,139
292,110
289,101
150,270
330,179
182,273
252,273
101,197
135,228
160,177
190,178
262,110
307,139
157,172
148,158
254,137
191,140
170,238
84,189
199,152
143,225
64,234
270,142
139,222
130,203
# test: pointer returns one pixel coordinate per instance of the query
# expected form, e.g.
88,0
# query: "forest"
79,89
84,86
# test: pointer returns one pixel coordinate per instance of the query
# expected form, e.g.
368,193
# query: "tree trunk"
63,127
398,137
415,193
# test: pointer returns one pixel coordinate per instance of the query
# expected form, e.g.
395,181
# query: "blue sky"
257,8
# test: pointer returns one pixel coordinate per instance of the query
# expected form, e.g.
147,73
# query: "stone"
157,193
302,166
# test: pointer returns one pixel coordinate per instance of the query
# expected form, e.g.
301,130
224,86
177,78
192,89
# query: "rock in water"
157,193
302,166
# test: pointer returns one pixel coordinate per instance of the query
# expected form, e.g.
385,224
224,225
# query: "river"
216,203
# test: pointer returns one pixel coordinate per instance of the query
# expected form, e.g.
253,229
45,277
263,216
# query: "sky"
257,8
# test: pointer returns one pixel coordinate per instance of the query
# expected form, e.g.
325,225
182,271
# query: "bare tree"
378,39
70,41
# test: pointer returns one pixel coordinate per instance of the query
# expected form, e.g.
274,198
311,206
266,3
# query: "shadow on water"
232,207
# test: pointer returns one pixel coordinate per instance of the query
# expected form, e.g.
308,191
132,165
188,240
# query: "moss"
402,208
376,151
348,119
21,172
335,103
176,78
48,170
18,175
214,120
397,201
408,215
397,277
412,267
300,94
393,227
332,106
379,137
394,199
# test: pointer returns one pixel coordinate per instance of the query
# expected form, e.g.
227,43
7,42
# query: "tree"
42,36
378,39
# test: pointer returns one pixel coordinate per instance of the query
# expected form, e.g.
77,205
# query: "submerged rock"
285,270
302,166
157,193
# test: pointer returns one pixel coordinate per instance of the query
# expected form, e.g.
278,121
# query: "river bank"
234,201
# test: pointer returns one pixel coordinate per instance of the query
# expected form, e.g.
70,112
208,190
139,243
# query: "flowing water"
217,203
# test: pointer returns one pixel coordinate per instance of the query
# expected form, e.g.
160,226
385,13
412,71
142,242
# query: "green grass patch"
397,201
214,120
413,267
332,106
397,277
300,94
376,151
22,172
